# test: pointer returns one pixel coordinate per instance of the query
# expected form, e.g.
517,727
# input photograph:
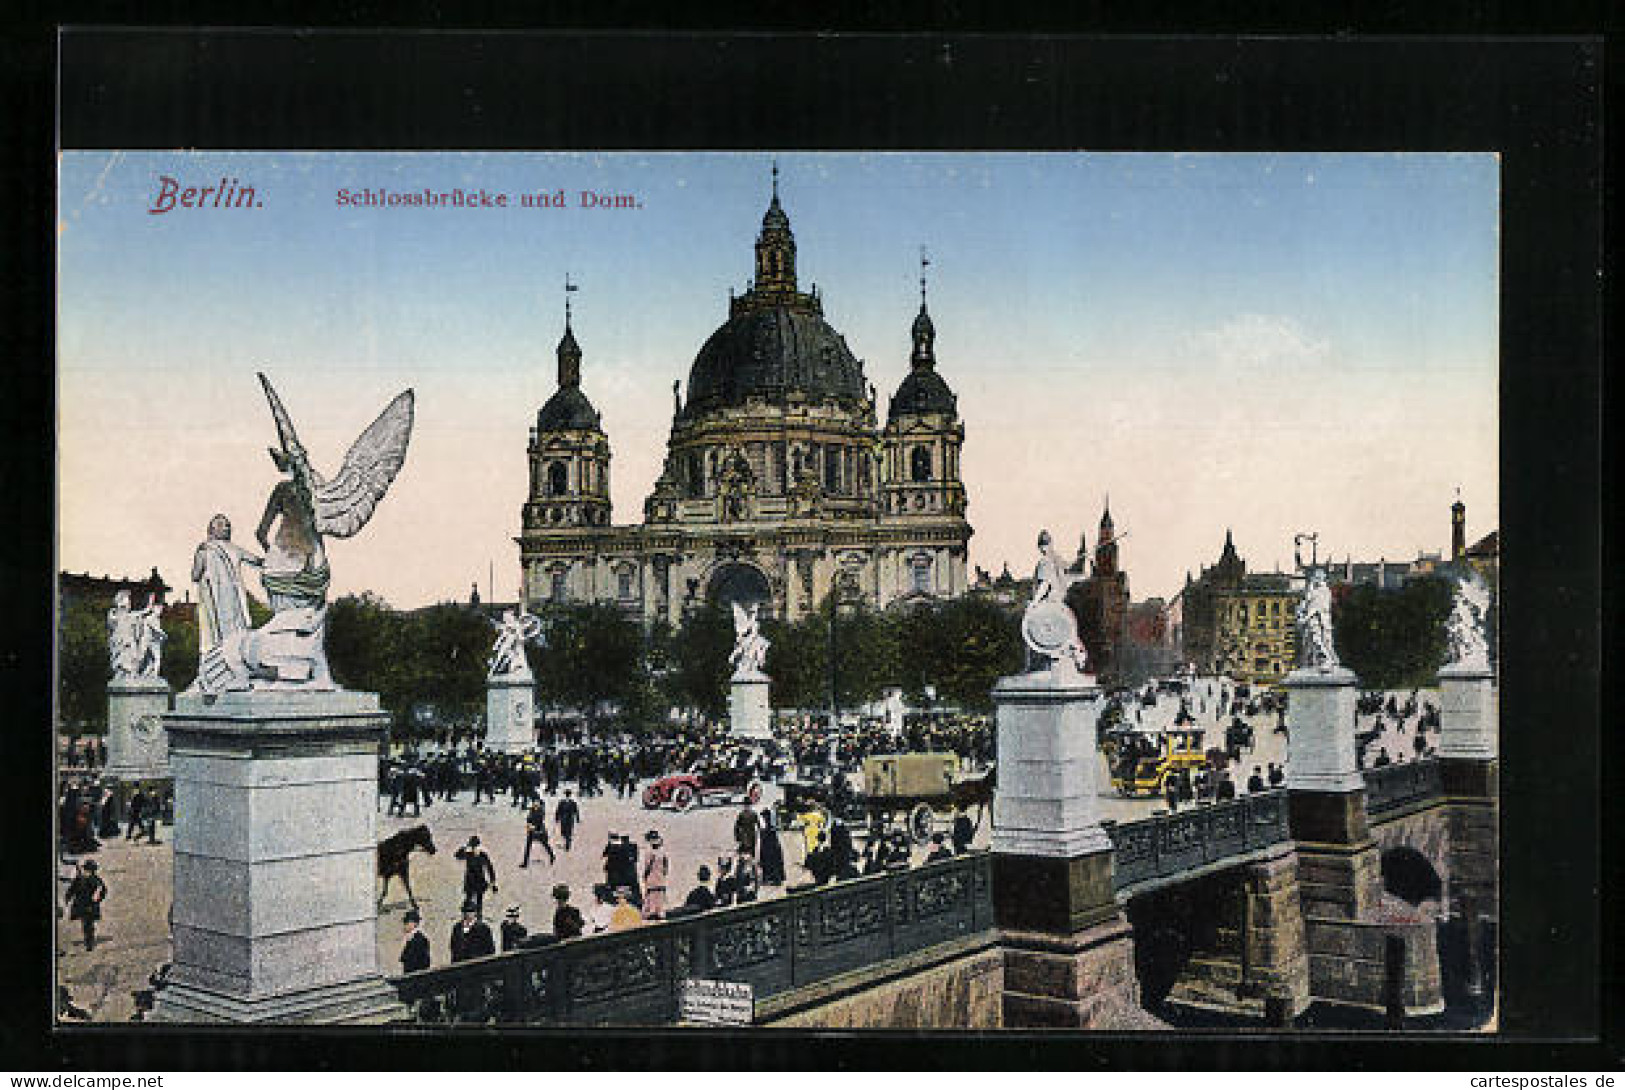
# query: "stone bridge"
1224,910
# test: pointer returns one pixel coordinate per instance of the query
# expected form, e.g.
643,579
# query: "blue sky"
1267,342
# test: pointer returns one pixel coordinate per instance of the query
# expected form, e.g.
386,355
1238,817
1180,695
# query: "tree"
82,669
366,649
594,655
701,660
1394,639
977,642
444,663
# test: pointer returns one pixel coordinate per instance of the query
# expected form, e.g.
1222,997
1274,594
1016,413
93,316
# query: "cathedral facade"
780,484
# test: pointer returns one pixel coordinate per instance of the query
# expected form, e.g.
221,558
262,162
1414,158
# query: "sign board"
717,1003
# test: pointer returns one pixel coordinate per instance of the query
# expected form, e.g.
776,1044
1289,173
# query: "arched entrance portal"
740,584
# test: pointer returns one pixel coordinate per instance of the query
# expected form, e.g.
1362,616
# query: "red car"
682,790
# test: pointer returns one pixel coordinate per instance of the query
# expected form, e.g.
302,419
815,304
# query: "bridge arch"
1411,876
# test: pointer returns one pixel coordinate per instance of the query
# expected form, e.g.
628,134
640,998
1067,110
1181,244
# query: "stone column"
1469,772
137,748
748,714
1338,869
510,714
275,846
1068,951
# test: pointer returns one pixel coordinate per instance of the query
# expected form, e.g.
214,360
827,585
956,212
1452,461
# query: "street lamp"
838,599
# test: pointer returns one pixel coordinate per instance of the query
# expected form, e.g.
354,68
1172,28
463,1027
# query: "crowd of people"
1395,727
91,811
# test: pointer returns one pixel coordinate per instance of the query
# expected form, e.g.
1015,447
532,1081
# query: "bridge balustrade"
1169,844
634,977
1393,787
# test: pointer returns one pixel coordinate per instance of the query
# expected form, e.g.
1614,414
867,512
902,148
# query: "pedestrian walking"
536,833
471,936
137,827
656,870
513,932
415,951
84,899
479,873
567,921
771,851
568,815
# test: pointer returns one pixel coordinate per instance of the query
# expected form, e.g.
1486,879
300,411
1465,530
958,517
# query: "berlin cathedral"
779,486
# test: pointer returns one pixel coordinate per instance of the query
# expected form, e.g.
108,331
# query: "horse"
974,791
395,858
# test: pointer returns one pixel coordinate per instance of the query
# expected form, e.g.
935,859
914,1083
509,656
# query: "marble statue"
222,605
1465,627
508,655
289,651
750,646
1316,650
135,639
1048,626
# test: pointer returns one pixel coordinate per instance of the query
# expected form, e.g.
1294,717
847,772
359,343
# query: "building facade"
1101,601
1239,623
779,484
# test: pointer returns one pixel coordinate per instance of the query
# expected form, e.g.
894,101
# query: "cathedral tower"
569,471
920,482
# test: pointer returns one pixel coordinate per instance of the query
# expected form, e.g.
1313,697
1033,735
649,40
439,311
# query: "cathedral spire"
924,356
775,247
569,352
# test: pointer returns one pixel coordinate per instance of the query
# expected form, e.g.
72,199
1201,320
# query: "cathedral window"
832,469
920,574
558,588
920,464
624,583
557,479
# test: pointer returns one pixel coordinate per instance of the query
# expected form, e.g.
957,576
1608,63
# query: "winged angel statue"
289,651
750,646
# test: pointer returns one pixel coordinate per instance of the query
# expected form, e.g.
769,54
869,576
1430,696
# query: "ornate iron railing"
1394,786
634,977
1168,844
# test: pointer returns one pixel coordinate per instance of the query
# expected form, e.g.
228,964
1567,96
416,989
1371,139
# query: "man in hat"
656,869
471,936
536,832
479,873
568,815
85,895
567,921
513,932
621,865
415,954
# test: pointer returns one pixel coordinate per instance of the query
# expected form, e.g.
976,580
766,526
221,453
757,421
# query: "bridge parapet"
1170,844
778,947
1395,787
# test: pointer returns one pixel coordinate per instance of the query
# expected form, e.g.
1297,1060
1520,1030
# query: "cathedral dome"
922,391
568,409
769,352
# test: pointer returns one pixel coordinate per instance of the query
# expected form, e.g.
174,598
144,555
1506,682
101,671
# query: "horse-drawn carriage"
907,789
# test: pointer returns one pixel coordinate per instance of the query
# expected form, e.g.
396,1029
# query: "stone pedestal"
137,748
275,846
1468,714
748,714
1068,952
1321,753
510,714
1048,801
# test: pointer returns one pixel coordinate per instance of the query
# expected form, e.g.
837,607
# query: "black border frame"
1537,102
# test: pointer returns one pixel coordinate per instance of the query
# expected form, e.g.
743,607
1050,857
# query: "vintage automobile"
703,784
1141,762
